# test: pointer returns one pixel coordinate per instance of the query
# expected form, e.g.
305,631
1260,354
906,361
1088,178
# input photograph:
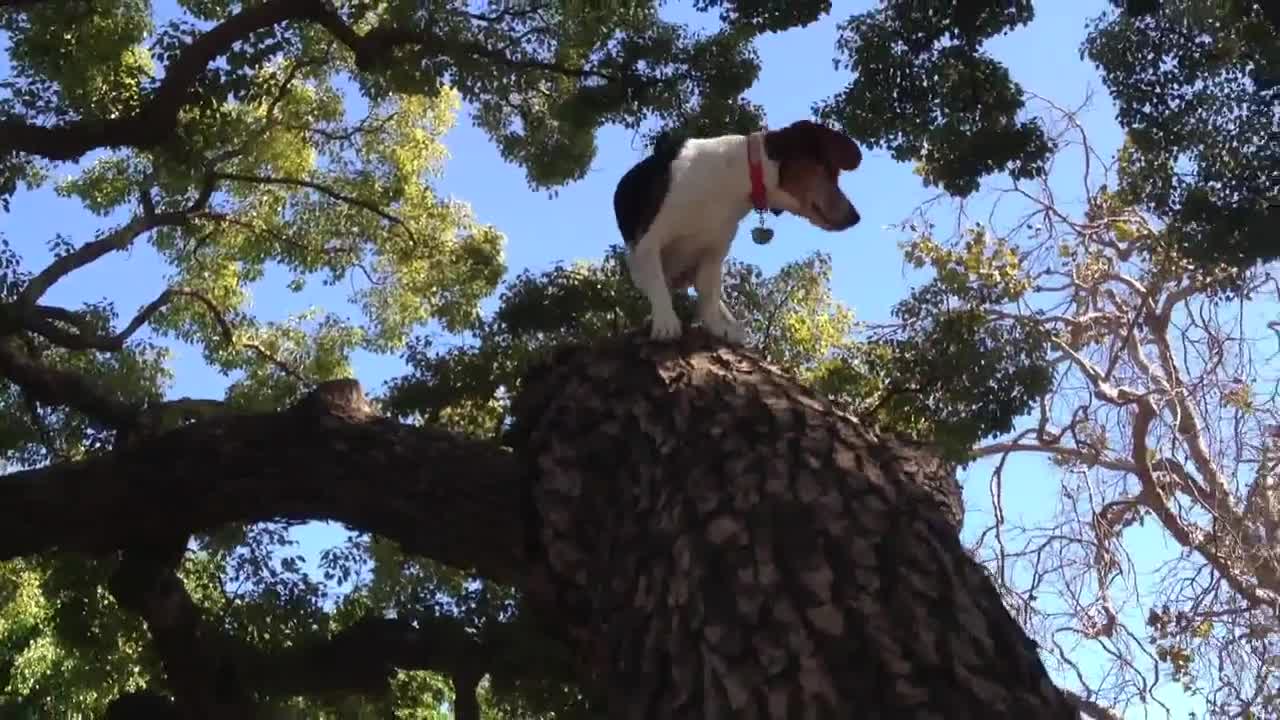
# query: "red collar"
759,197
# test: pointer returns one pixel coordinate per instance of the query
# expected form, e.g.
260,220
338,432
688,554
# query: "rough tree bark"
712,540
725,545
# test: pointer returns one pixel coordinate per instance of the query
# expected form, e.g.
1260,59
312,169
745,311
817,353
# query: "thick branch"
370,473
156,121
466,706
723,544
207,668
711,539
362,657
52,386
191,651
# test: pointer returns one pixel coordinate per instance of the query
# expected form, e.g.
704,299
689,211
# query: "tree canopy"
1196,85
236,140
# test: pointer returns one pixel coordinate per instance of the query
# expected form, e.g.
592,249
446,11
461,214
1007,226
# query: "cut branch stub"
722,544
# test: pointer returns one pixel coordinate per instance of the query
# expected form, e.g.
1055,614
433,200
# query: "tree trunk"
711,540
721,544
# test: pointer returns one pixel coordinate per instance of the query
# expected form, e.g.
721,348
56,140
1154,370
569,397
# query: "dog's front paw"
666,327
725,327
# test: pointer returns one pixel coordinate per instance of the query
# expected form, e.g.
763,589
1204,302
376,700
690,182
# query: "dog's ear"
805,138
839,148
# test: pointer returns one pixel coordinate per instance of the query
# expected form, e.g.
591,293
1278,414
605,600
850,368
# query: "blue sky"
868,273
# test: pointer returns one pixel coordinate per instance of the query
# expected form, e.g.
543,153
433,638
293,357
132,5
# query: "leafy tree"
232,151
1157,408
1158,411
790,316
231,144
1195,83
222,139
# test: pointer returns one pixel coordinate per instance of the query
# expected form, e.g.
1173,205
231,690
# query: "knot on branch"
342,399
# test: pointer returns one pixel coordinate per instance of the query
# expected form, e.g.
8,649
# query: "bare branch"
1089,708
1061,451
1155,410
85,338
118,239
323,190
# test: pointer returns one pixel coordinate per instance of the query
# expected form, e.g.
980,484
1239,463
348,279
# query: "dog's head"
810,157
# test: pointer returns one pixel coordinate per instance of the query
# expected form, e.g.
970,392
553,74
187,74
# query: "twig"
323,190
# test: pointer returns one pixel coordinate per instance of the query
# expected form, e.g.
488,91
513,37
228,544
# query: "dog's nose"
852,218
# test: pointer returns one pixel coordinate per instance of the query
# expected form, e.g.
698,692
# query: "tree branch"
319,460
209,669
466,706
192,652
44,322
118,239
668,505
229,336
156,121
1154,498
1060,451
323,190
52,386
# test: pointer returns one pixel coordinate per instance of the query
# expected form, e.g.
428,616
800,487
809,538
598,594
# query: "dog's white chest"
695,224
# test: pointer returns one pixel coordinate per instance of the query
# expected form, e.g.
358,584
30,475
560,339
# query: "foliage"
790,316
244,143
303,139
65,648
1157,411
947,373
957,367
1195,86
924,89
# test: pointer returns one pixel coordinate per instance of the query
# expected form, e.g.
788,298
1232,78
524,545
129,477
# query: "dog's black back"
643,188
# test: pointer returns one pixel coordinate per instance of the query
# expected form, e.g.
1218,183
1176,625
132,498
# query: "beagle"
679,209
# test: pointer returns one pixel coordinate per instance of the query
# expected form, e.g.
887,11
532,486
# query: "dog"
679,208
